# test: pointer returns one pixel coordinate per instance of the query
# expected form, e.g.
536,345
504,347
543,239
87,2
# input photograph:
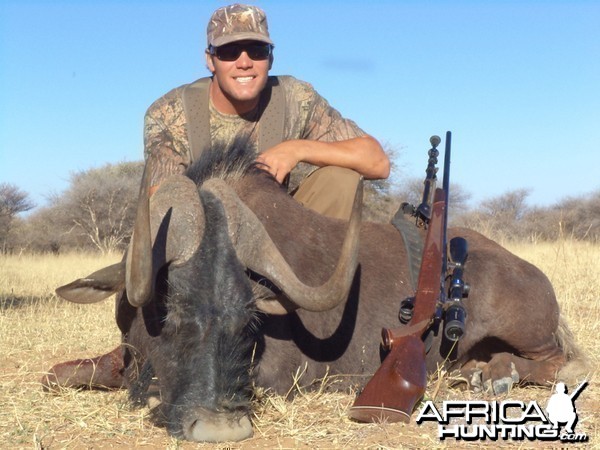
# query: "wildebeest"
229,282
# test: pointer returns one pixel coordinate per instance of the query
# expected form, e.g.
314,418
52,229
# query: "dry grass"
38,330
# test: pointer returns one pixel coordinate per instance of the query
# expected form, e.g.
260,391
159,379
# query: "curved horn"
138,278
168,230
258,252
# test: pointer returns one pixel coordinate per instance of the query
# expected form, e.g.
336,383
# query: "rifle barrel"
446,188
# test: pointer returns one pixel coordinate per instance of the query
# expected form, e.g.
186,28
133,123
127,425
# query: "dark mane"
228,162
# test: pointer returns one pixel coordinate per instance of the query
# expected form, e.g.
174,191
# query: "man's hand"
280,160
362,154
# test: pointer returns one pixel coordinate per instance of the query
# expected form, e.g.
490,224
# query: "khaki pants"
329,191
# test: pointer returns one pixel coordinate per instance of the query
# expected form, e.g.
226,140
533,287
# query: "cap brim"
248,36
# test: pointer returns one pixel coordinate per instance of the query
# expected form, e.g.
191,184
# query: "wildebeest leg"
102,372
505,369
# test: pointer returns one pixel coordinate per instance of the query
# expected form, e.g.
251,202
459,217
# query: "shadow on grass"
11,302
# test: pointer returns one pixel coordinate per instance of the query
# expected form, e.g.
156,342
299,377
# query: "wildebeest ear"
95,287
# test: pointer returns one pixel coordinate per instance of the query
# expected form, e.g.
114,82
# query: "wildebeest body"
511,306
203,337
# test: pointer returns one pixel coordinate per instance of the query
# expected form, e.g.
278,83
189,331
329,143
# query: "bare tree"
500,217
580,217
380,199
411,191
12,202
42,232
100,205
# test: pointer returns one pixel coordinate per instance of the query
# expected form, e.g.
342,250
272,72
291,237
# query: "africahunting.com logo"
509,419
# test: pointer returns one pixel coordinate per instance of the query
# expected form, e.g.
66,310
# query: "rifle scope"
456,314
455,317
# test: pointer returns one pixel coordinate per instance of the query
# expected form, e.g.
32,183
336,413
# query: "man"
239,55
240,99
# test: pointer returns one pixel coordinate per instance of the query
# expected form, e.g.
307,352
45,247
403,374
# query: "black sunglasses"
257,51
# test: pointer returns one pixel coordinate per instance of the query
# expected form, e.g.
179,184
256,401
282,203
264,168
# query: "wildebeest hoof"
505,384
502,386
50,383
488,387
475,380
514,374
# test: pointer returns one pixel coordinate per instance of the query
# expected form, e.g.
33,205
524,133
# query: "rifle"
400,381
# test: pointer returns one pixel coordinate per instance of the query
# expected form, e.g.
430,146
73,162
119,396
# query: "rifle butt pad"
397,386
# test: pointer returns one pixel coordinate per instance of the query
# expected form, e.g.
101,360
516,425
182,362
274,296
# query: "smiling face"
237,84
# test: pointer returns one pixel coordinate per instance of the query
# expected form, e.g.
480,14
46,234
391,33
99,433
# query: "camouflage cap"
237,23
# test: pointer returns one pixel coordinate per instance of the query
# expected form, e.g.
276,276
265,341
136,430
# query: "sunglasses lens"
231,52
258,52
228,52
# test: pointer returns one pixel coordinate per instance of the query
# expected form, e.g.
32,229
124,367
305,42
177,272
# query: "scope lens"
455,322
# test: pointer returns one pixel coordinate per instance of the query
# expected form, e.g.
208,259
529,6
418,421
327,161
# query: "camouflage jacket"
308,116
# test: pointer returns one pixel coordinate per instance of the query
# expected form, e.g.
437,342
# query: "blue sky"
517,82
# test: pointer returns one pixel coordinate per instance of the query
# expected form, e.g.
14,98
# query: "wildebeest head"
203,353
192,302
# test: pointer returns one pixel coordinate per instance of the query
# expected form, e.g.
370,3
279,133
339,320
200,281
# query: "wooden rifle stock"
400,381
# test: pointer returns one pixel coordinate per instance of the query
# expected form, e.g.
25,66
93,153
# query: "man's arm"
321,136
363,154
